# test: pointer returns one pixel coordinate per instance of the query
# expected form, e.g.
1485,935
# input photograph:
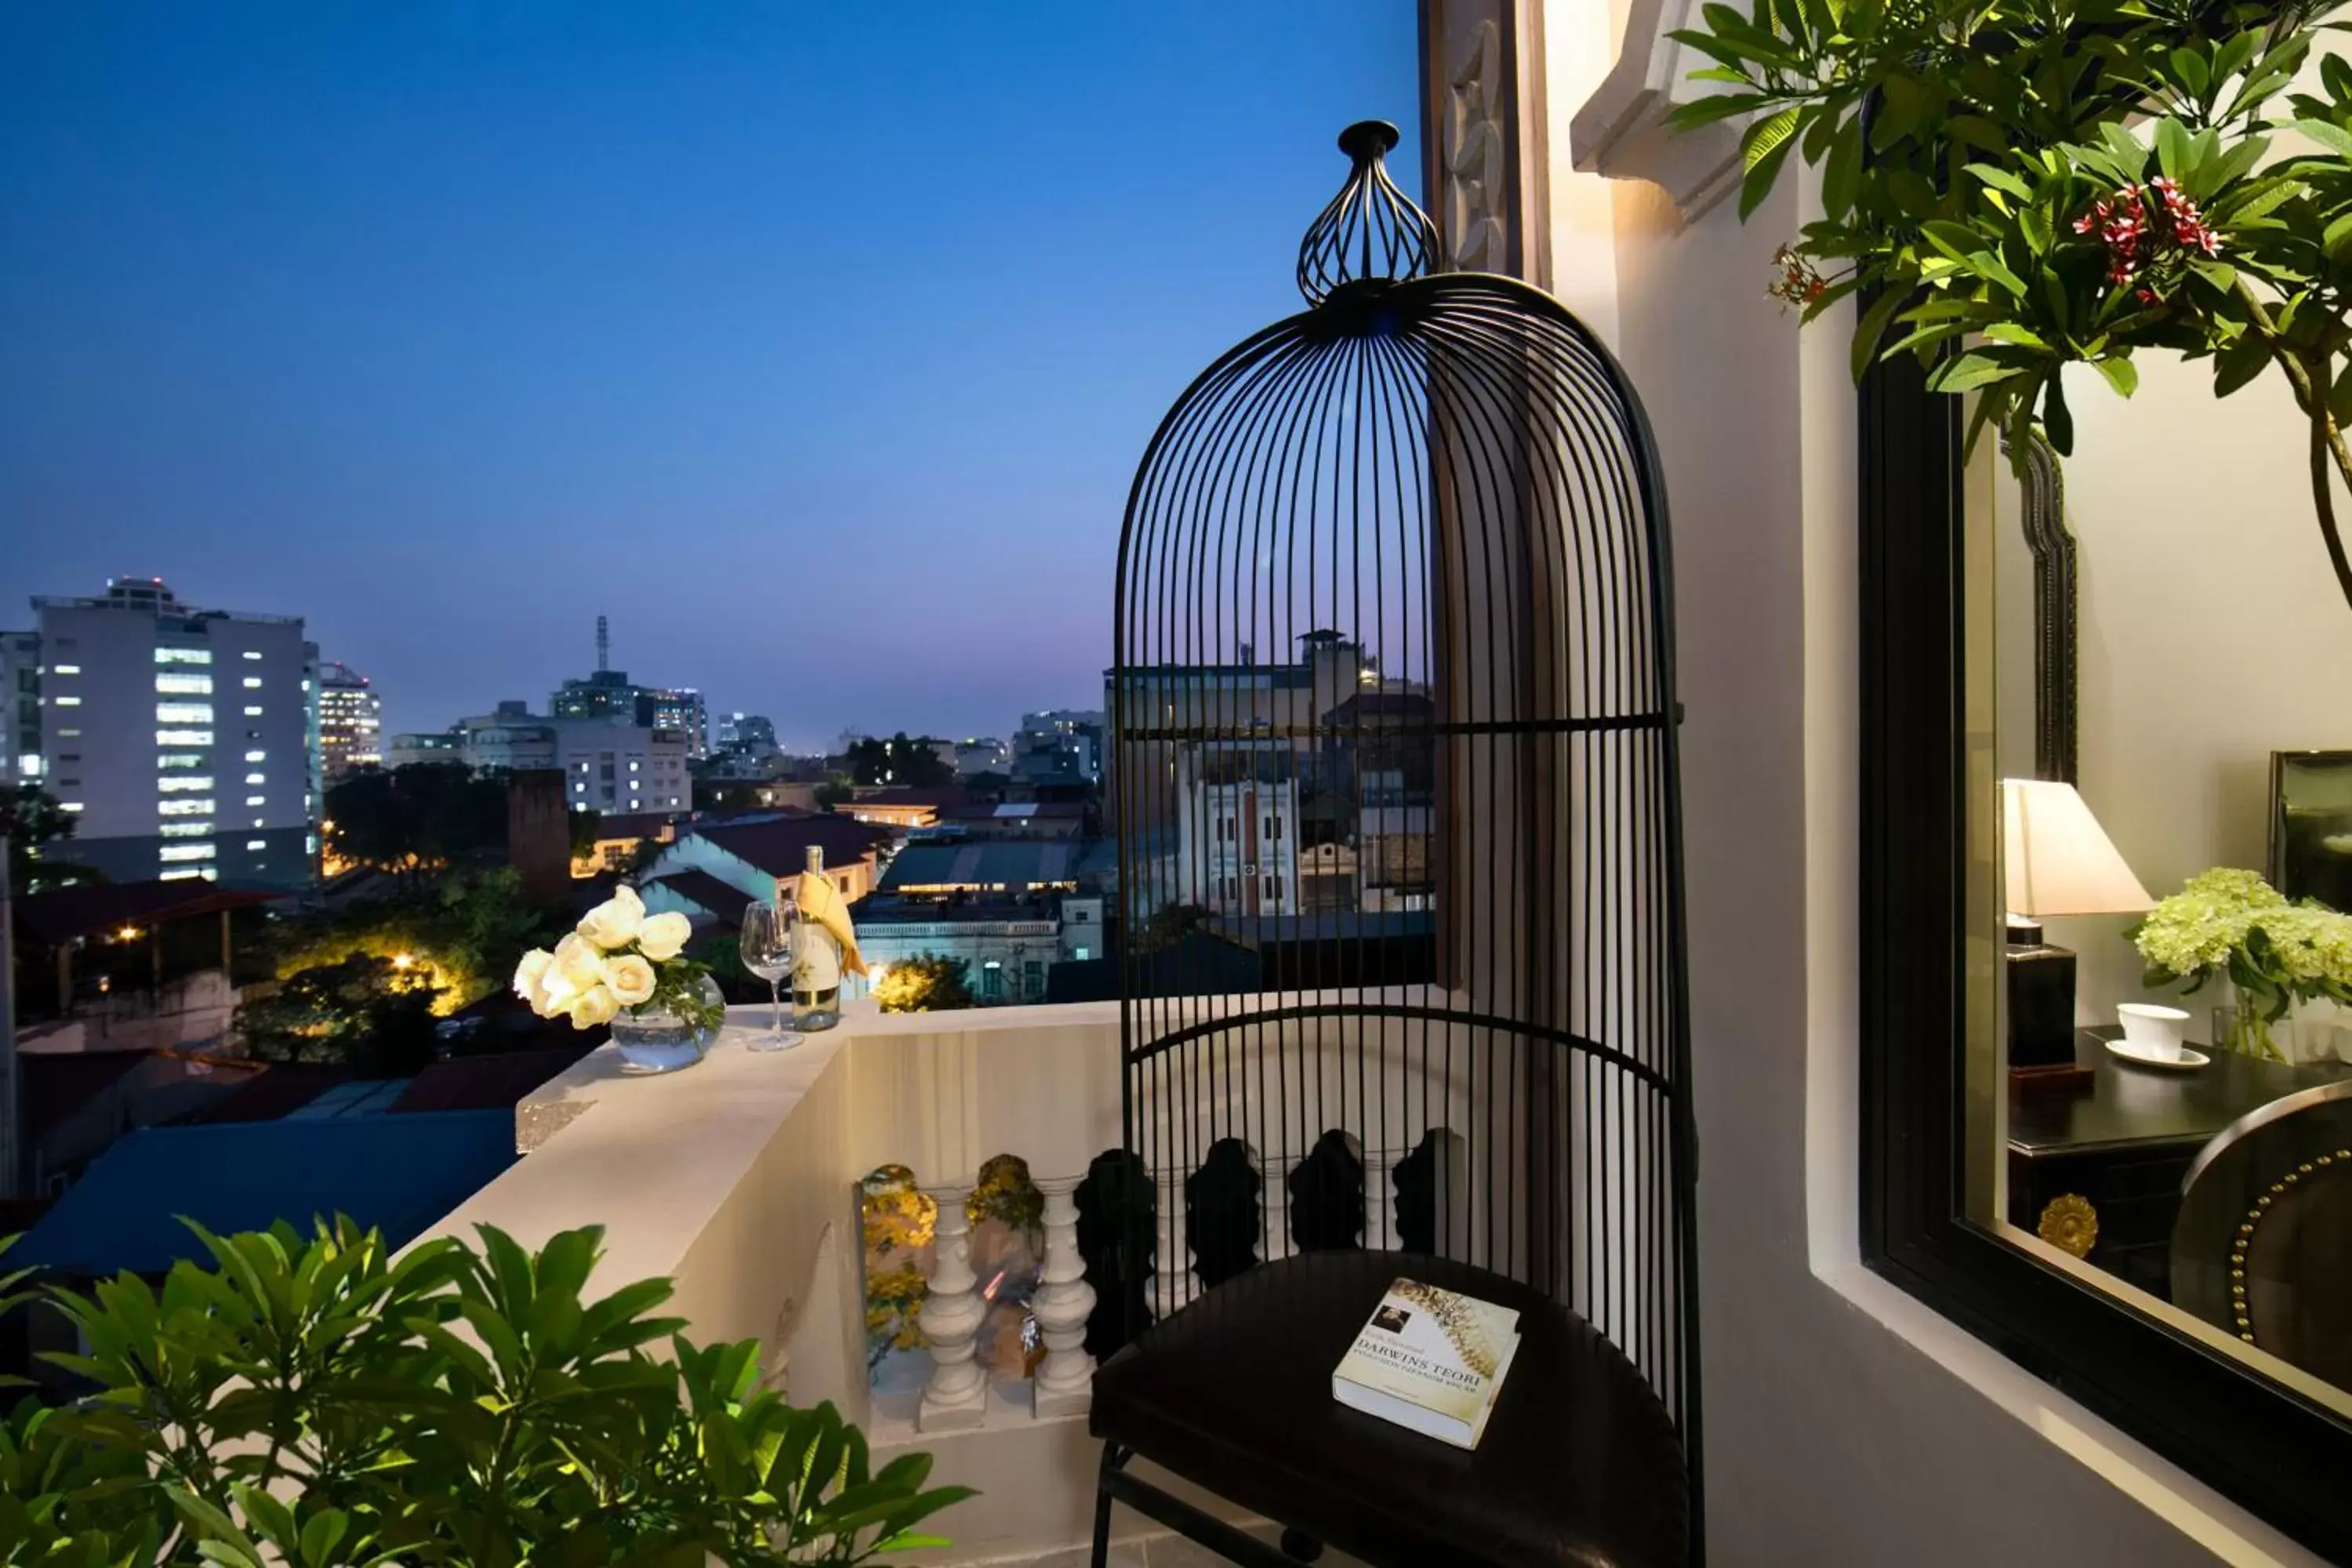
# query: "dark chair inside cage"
1401,926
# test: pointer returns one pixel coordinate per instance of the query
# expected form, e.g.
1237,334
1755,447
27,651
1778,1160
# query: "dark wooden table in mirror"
2095,1164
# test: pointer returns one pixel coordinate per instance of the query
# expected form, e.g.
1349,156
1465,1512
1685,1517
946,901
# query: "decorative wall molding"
1482,135
1478,158
1621,131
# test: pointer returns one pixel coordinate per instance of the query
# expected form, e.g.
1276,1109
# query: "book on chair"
1432,1360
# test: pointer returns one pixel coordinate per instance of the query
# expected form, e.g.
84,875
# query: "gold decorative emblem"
2070,1224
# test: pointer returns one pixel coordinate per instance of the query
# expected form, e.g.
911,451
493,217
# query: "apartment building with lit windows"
20,708
184,741
350,721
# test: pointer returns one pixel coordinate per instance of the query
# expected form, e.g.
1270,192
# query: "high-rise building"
610,694
751,731
609,765
350,721
184,741
20,708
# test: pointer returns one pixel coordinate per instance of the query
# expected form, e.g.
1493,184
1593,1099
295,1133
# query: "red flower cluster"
1800,283
2139,238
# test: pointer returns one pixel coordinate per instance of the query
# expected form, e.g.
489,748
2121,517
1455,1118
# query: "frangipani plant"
2232,924
2013,187
619,959
321,1402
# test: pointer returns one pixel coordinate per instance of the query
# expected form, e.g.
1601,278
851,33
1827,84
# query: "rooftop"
725,901
779,844
1010,866
97,908
400,1173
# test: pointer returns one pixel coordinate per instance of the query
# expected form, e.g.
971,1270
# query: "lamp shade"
2058,860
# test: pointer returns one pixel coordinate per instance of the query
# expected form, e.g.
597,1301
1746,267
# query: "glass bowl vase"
653,1039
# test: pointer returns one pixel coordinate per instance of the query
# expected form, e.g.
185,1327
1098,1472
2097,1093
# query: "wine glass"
769,940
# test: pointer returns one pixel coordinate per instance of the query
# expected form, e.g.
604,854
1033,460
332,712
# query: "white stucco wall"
1845,1423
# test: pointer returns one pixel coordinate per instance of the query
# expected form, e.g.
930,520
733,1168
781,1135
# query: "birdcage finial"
1371,229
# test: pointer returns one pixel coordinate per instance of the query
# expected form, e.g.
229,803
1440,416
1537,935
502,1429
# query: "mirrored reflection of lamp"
2057,861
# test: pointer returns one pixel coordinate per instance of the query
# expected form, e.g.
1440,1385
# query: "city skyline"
546,314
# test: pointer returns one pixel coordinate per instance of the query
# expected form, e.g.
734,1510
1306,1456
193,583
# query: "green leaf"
2171,146
2333,137
2002,180
2057,419
1967,373
2191,70
2120,373
2239,363
1767,136
2017,332
1757,183
1842,171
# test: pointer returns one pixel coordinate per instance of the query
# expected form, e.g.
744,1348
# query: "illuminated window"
183,783
183,737
184,685
179,874
186,852
69,734
184,808
185,830
253,712
183,712
66,701
65,669
250,654
257,800
253,683
69,806
254,778
633,767
257,756
183,656
257,843
179,759
1079,953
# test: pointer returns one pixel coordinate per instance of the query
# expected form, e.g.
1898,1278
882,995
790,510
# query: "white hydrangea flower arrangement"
618,959
2232,924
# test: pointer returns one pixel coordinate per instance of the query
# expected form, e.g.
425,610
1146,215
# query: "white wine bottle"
816,966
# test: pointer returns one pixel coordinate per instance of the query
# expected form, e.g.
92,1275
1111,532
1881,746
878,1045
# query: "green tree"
2019,185
833,792
413,821
463,933
368,1012
911,762
585,823
325,1402
32,821
926,983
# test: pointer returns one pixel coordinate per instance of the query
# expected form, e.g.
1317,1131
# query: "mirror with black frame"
2160,862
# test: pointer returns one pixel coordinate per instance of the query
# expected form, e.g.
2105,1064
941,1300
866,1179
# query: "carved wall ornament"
1477,160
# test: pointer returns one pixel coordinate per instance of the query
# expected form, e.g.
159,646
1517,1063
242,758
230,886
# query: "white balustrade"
956,1397
1064,1380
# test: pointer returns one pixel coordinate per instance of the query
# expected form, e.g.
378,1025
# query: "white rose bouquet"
618,959
2233,924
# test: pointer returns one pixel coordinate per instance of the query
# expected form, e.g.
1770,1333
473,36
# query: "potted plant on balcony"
2016,185
320,1401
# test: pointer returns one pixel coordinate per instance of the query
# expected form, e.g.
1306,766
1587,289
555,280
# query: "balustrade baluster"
956,1397
1064,1384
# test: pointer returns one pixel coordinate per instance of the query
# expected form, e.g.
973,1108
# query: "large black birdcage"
1393,775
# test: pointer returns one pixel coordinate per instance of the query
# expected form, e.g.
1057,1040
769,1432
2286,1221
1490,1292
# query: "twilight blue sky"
814,342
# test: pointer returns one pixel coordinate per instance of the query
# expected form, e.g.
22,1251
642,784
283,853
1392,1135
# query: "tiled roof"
724,900
399,1174
1015,810
779,844
70,913
942,797
486,1083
